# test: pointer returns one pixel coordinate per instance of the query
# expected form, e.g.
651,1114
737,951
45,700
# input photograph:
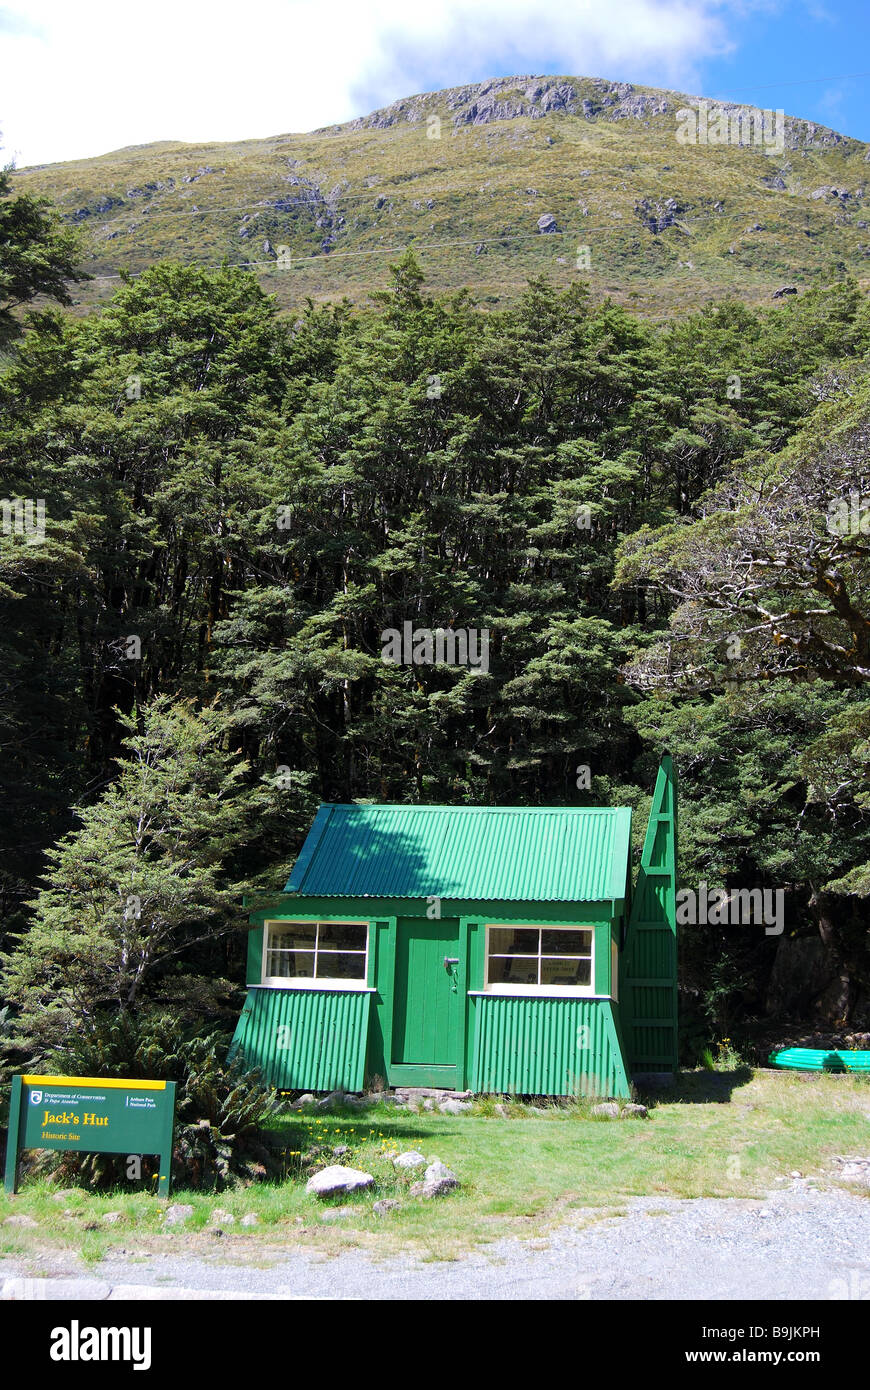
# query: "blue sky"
81,77
801,58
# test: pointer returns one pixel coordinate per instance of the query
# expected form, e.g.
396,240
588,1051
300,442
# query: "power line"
797,82
258,207
588,231
376,251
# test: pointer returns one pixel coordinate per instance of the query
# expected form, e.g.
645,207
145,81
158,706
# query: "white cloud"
86,77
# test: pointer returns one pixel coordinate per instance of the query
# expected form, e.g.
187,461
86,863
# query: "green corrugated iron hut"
490,948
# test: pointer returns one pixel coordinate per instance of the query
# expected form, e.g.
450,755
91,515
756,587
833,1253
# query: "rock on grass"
385,1206
411,1158
337,1178
437,1180
336,1214
178,1212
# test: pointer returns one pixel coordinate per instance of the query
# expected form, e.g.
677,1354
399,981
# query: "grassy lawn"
717,1134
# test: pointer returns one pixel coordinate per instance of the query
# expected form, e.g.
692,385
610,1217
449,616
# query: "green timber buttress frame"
648,975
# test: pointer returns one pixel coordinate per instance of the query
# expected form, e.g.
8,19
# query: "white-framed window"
308,954
539,959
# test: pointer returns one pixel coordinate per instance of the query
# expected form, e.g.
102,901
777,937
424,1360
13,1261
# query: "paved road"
797,1244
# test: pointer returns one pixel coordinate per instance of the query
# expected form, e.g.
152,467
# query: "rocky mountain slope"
492,183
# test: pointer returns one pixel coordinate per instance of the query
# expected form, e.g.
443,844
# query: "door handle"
450,960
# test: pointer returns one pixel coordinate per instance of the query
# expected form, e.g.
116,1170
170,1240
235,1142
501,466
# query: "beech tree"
773,577
256,499
145,878
38,256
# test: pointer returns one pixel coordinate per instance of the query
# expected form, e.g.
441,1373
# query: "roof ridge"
440,806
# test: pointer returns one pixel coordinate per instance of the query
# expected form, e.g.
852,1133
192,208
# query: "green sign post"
91,1113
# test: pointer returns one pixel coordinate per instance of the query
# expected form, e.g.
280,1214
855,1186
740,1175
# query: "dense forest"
661,528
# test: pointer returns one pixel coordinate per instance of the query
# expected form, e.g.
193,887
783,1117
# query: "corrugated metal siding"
305,1039
552,854
546,1047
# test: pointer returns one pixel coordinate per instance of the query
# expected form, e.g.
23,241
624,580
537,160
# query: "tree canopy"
238,506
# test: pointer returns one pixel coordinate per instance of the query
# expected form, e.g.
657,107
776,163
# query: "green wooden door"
427,1003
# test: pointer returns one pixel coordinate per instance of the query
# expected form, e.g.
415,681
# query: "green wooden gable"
486,853
649,960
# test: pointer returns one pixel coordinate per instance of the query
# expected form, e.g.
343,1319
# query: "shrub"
221,1107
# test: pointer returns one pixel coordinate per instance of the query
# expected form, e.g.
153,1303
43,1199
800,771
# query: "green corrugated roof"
514,853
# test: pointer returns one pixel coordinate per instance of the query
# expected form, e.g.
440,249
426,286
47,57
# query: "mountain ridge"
493,182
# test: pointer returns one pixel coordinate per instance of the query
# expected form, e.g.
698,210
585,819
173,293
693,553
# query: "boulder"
385,1206
336,1214
110,1217
334,1098
547,223
608,1110
454,1107
250,1218
856,1170
411,1158
22,1220
178,1212
658,214
307,1099
437,1180
336,1178
222,1218
627,1111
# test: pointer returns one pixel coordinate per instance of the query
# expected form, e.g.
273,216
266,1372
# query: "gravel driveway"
797,1244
